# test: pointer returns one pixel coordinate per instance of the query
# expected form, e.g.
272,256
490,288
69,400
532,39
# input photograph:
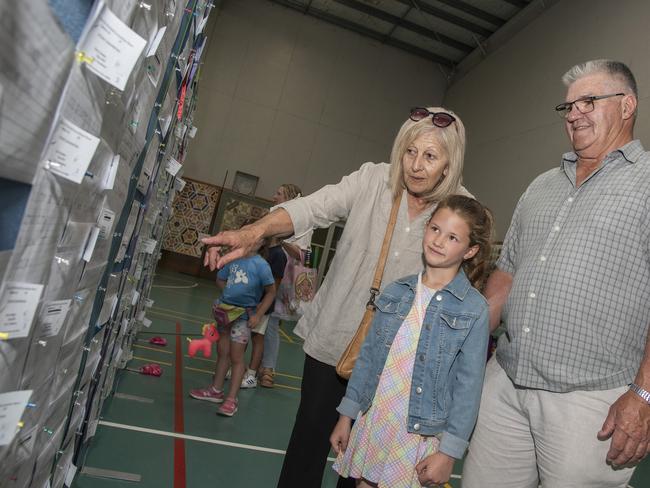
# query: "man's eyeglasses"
439,119
584,105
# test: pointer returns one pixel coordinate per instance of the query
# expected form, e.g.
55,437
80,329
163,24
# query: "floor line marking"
285,335
149,360
177,312
188,437
205,440
287,387
277,374
175,317
153,349
180,475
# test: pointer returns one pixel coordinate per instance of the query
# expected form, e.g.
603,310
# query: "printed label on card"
53,316
105,221
192,132
111,49
17,309
172,166
70,151
146,322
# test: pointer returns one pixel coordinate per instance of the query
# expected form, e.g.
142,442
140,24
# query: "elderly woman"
426,165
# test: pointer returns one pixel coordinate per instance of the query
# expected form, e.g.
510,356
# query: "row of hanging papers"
96,105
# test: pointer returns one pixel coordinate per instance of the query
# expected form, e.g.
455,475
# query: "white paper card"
146,322
148,303
12,406
70,151
17,308
92,429
149,246
192,132
179,184
53,316
69,476
90,245
111,172
141,315
135,297
153,46
105,222
172,166
113,49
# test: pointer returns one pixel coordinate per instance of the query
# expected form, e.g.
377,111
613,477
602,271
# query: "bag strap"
383,255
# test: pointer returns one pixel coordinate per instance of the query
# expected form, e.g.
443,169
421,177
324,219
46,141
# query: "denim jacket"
449,363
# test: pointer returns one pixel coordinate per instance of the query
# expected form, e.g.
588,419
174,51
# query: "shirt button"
408,229
526,329
532,295
421,357
542,258
418,390
416,426
570,199
396,253
556,228
428,326
439,297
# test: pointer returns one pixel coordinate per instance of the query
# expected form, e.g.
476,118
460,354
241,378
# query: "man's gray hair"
615,69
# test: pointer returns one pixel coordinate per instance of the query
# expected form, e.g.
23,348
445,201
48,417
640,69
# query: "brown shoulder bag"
346,363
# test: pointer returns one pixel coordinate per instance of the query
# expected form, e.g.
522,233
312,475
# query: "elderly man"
566,403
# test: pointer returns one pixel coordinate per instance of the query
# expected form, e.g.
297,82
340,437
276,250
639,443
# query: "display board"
96,108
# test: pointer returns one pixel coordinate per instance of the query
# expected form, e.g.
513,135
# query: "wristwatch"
645,394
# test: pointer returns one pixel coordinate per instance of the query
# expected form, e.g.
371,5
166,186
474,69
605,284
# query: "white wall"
507,100
290,98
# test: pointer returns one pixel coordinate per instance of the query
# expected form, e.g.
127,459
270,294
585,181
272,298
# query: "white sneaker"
249,381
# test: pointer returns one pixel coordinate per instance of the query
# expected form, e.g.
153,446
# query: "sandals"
266,378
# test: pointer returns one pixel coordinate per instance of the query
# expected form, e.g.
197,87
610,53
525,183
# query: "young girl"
416,386
249,284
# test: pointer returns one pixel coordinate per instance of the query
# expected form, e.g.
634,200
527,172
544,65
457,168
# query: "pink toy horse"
210,336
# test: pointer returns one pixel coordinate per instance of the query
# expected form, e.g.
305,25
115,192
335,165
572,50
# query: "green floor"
239,452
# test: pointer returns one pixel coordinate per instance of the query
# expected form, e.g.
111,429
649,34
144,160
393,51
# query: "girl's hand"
341,434
435,469
253,320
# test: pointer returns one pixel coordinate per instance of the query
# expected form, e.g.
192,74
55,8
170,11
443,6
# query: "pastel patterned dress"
380,449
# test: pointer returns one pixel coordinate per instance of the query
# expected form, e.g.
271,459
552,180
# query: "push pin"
82,57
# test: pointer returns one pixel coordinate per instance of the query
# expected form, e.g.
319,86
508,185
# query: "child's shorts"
260,328
238,330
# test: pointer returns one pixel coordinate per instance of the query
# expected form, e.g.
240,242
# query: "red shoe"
209,394
228,408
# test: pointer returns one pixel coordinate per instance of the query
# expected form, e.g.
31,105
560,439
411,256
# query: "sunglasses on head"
439,119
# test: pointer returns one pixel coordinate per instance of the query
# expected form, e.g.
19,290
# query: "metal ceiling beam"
446,16
360,29
476,12
517,3
397,21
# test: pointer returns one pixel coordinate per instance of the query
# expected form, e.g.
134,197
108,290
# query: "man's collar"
631,151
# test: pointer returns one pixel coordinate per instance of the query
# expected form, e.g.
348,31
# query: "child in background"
277,260
247,283
294,248
416,386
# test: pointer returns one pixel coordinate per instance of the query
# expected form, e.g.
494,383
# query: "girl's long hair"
480,221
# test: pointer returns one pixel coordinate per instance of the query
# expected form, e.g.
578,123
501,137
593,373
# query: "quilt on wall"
193,210
236,208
